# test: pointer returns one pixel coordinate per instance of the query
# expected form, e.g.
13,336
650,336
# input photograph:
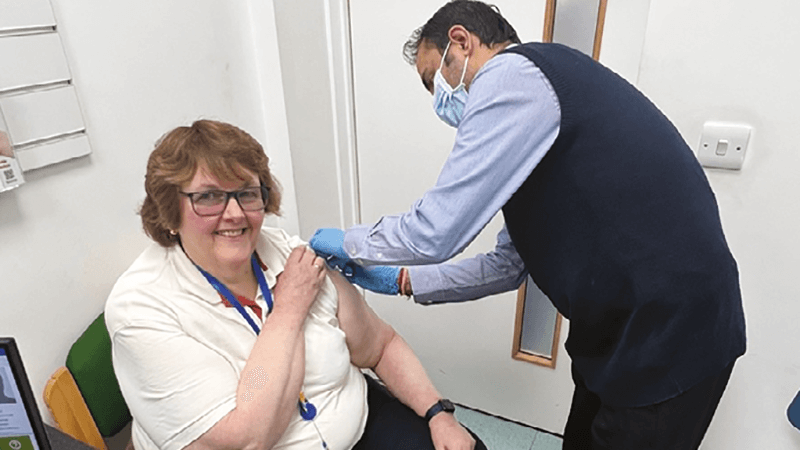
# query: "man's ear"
461,39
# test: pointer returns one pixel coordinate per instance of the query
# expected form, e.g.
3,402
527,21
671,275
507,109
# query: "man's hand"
380,279
448,434
5,145
329,242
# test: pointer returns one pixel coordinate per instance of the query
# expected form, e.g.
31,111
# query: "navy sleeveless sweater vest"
618,226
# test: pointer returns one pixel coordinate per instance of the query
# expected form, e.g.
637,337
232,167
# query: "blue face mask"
449,102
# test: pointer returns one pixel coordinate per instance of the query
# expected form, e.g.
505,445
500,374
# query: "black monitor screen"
21,425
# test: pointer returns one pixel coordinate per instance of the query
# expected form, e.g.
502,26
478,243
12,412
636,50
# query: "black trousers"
392,425
675,424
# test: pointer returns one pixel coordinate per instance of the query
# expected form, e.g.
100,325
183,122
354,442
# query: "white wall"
314,51
735,60
141,68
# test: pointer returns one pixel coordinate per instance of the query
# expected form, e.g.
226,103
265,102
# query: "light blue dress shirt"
511,120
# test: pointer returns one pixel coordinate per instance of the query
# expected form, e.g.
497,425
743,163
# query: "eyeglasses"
213,203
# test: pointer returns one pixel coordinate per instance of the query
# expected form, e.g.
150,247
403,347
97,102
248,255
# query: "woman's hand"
448,434
299,283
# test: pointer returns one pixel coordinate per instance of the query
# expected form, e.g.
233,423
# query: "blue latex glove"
329,242
380,279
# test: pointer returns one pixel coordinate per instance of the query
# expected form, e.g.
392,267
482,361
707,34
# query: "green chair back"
89,361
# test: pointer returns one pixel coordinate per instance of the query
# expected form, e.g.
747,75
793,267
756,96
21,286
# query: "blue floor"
499,434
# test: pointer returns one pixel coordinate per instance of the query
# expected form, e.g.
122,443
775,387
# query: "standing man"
605,206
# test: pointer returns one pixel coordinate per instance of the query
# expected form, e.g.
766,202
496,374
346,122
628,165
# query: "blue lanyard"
307,409
225,292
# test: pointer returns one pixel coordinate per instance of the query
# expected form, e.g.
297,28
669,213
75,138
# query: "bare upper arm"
366,334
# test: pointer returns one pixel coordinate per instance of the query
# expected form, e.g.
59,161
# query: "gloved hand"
380,279
329,242
343,265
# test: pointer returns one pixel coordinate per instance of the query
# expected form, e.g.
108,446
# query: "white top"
178,353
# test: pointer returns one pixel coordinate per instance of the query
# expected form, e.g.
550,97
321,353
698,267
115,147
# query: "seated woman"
229,335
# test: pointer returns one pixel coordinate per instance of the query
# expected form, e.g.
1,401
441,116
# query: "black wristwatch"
442,405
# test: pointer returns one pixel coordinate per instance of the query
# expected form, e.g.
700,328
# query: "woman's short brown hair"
223,148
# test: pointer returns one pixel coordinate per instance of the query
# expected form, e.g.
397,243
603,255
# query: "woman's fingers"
302,277
305,255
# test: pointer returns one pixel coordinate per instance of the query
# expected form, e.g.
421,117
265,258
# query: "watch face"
448,405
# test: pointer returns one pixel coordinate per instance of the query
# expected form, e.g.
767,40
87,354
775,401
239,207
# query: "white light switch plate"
723,145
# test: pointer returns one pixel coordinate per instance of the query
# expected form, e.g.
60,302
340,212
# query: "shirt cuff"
424,282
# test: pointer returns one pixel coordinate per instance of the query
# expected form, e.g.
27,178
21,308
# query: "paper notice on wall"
10,172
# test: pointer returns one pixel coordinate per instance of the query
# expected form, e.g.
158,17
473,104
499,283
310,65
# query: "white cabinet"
25,14
37,98
42,115
32,60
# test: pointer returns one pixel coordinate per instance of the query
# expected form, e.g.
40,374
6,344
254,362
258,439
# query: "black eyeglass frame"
228,195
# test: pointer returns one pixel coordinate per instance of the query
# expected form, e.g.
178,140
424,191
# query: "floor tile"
498,434
546,441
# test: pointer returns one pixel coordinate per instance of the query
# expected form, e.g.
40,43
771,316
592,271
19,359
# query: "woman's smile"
220,244
231,233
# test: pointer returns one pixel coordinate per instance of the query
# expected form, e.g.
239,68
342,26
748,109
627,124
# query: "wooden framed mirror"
536,328
578,24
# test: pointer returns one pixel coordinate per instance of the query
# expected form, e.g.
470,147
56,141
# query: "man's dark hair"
477,17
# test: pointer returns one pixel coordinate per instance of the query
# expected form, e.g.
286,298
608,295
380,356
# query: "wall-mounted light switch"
723,145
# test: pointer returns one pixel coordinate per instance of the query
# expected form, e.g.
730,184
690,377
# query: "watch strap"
442,405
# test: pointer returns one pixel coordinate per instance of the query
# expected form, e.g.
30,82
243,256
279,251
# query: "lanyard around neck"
225,292
307,409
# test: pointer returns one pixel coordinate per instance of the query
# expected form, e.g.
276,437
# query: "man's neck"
484,53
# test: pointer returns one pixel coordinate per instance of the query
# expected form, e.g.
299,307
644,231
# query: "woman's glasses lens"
212,203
